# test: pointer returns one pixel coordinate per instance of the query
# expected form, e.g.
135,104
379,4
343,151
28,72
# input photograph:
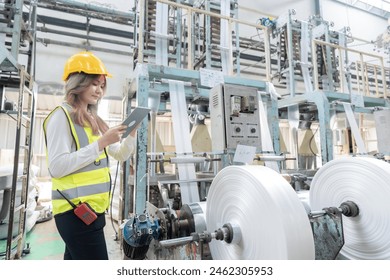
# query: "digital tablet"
132,121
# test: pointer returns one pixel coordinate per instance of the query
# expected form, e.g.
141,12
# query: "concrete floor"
46,244
43,239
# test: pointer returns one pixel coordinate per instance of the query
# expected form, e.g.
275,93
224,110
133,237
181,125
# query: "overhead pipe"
86,37
47,41
85,7
83,26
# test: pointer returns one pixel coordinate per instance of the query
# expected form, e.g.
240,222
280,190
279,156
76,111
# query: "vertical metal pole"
384,81
17,27
136,22
31,109
346,61
32,47
291,81
141,156
341,70
326,138
141,30
237,39
329,60
16,167
208,47
376,81
364,75
190,39
317,8
127,200
230,61
2,97
314,60
179,36
359,66
267,54
193,39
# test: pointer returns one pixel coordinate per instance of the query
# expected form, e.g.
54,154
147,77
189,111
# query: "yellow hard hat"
85,62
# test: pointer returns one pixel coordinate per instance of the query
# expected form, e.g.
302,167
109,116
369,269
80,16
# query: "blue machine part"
140,230
267,22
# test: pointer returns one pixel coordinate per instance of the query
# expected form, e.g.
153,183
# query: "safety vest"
89,184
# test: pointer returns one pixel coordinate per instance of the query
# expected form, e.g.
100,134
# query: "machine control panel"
235,117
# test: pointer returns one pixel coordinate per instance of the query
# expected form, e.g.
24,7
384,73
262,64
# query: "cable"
112,198
2,254
311,140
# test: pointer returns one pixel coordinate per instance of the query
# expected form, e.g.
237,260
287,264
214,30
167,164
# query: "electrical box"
234,117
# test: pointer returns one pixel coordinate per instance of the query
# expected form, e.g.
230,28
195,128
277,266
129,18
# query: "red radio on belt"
83,211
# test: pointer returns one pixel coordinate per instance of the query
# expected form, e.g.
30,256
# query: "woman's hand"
112,135
134,131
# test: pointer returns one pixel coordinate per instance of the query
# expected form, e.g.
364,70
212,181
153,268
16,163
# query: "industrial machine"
266,219
253,213
249,211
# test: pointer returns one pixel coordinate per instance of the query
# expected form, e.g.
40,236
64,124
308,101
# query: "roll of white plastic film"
270,218
366,182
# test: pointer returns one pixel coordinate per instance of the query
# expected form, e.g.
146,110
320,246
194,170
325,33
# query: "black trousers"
82,242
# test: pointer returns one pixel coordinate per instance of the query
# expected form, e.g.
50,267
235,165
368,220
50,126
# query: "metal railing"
365,75
190,40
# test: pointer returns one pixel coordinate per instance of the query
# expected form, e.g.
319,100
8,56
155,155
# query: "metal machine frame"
151,77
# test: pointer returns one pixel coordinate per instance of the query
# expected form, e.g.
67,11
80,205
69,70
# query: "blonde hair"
75,85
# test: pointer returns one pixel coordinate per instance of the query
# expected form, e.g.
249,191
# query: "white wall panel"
252,10
363,25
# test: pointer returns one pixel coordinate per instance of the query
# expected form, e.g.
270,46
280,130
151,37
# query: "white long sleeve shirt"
63,159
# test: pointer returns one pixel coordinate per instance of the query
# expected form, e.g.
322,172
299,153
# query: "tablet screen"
136,116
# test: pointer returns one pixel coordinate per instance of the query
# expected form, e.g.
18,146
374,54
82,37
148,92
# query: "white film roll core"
271,218
366,182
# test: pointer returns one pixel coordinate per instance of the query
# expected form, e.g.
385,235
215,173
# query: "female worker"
78,143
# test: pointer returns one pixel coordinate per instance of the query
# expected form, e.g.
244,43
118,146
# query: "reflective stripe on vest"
89,184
